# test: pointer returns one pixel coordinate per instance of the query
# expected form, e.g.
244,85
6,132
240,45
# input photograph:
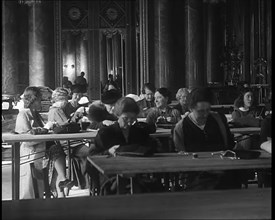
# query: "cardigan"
215,136
155,112
112,135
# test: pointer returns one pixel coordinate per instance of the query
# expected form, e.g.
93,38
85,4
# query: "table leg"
15,170
94,181
69,160
131,186
117,182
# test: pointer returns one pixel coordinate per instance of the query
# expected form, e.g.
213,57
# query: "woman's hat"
76,89
110,96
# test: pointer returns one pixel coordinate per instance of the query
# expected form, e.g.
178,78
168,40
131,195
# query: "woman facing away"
57,116
203,130
79,155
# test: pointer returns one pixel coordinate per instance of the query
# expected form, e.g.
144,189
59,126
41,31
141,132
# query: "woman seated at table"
72,105
181,96
58,157
99,116
29,121
245,115
125,135
80,152
265,135
162,113
147,100
203,130
264,176
163,116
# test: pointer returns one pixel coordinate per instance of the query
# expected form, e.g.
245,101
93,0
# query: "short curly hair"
180,92
199,95
124,105
30,95
60,94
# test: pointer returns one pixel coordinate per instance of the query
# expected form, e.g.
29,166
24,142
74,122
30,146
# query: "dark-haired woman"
163,113
29,121
202,130
245,115
147,101
125,131
125,134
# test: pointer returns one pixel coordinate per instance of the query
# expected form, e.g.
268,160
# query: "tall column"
9,47
162,34
41,44
194,71
215,41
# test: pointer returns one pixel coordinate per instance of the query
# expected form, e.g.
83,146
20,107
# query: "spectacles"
202,111
226,154
130,121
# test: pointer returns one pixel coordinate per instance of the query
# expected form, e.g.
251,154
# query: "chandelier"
29,2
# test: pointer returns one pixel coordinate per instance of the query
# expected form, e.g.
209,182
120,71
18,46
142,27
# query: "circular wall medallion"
112,13
74,13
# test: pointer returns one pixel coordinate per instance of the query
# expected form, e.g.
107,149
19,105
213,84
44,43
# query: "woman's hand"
169,119
112,150
49,125
107,122
185,114
160,119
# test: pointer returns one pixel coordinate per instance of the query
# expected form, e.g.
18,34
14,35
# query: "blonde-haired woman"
57,156
181,96
29,121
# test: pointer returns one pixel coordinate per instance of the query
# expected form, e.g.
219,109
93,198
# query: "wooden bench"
229,204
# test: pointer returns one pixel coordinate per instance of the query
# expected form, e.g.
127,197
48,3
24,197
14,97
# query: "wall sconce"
72,66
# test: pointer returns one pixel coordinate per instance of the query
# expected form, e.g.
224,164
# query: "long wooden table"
173,162
168,163
166,132
218,204
15,140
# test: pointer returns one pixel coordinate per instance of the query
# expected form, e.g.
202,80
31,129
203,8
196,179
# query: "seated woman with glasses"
124,132
203,130
125,135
